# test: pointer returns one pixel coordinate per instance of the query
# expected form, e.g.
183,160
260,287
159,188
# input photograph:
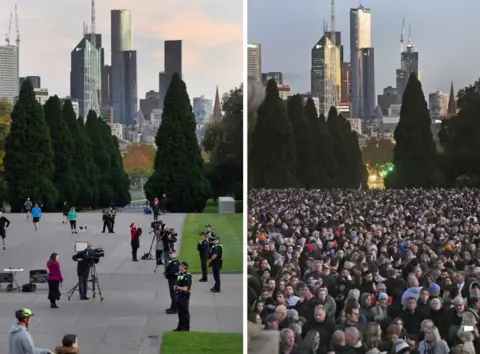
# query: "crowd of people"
353,271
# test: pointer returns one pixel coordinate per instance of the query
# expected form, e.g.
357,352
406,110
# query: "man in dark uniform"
202,249
171,272
210,235
183,286
216,261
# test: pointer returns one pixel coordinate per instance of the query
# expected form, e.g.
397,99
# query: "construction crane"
16,27
7,35
91,67
401,35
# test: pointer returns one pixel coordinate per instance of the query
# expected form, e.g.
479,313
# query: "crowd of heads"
339,271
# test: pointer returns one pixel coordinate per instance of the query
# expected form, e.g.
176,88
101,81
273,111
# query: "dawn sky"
288,30
211,31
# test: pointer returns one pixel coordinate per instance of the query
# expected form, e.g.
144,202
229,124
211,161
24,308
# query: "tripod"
148,255
95,283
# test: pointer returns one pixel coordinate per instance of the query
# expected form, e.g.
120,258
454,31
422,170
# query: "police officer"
216,262
171,272
210,236
202,249
183,286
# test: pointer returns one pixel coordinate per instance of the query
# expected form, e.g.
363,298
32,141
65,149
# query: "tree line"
53,157
291,146
422,161
180,171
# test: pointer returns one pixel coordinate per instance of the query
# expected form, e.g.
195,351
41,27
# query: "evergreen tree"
414,156
28,161
101,158
307,170
359,171
63,150
179,167
91,174
340,143
325,162
119,180
79,166
272,157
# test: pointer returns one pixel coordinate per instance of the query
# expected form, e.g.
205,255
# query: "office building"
345,86
150,102
315,99
85,75
74,102
277,76
34,80
438,105
284,91
172,65
254,61
389,97
117,130
106,85
321,72
123,77
9,72
106,113
202,108
41,95
361,53
408,66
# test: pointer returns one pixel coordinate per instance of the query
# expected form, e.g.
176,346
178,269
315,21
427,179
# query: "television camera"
93,254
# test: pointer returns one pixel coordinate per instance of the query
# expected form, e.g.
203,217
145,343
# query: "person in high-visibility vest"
216,262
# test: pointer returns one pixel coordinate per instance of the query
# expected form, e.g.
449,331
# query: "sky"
211,31
440,30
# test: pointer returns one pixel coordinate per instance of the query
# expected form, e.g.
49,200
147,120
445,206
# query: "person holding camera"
84,262
19,339
171,272
182,288
202,249
216,262
135,233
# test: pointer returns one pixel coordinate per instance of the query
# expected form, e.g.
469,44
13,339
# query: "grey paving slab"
132,318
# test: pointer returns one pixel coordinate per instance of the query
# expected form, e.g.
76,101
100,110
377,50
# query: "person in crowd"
54,280
69,345
36,216
135,233
396,271
72,219
20,340
155,209
4,223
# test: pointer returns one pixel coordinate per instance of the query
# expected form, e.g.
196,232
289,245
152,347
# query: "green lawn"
137,197
227,226
201,343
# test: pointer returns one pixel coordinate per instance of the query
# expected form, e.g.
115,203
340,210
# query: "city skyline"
430,35
211,31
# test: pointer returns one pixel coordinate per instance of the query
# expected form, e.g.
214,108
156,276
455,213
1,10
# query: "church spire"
452,104
217,116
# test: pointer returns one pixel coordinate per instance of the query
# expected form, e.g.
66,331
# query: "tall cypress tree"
340,144
360,173
92,177
63,149
414,156
179,166
28,160
306,171
325,162
80,167
101,158
122,195
272,156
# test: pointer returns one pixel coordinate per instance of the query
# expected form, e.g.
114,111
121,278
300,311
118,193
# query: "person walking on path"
36,215
54,280
19,339
4,223
28,207
72,219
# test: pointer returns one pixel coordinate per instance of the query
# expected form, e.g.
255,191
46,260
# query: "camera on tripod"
94,254
157,225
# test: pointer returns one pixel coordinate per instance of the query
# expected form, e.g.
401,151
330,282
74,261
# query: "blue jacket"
36,212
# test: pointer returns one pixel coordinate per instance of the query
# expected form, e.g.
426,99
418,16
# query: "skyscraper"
85,59
124,68
360,39
172,65
408,66
255,61
275,75
35,81
321,71
202,108
346,86
9,72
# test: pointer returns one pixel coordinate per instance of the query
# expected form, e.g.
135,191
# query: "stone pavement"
132,318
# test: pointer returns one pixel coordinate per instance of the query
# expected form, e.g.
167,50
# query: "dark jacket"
4,222
325,329
83,266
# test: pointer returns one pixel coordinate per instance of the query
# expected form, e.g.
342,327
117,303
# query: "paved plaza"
132,318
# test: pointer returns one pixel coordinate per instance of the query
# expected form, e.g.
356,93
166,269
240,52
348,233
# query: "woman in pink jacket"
54,279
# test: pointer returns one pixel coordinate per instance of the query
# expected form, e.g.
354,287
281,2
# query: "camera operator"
84,262
169,237
171,272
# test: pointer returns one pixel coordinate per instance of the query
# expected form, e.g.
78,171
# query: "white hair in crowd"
353,294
